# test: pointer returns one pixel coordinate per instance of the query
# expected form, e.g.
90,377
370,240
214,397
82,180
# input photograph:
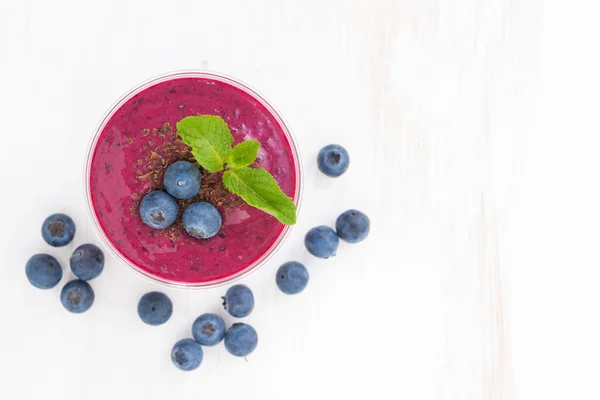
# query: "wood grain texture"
434,101
448,83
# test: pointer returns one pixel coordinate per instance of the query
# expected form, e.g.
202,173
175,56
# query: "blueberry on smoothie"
182,180
87,262
239,301
155,308
158,210
58,230
208,329
292,277
77,296
241,339
321,242
333,160
202,220
187,354
43,271
352,226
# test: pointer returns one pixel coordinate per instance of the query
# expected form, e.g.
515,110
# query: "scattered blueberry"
58,230
87,262
155,308
77,296
333,160
182,180
241,339
239,301
292,277
43,271
158,210
202,220
187,354
321,242
352,226
208,329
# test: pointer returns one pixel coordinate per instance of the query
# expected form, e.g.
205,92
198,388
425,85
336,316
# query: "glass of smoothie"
137,140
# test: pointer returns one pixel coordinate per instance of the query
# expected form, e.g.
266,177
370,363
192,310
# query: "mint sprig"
211,141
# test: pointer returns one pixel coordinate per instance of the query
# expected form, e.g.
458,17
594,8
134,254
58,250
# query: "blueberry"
158,210
87,262
43,271
155,308
321,242
58,230
208,329
77,296
182,180
352,226
239,301
187,354
292,277
202,220
333,160
241,339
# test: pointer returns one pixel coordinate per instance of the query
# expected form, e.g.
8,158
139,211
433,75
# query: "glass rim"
191,73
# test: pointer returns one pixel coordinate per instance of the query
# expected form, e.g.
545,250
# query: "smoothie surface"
139,142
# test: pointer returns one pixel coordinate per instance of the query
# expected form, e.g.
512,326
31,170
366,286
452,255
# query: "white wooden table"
473,131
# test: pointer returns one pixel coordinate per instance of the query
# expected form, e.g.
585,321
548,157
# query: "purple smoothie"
139,142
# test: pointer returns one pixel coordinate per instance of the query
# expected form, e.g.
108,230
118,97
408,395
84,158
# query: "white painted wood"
473,135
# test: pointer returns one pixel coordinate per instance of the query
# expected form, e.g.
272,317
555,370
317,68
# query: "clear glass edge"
191,74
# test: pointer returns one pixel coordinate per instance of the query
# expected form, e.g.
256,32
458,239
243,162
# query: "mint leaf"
259,189
209,138
243,154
